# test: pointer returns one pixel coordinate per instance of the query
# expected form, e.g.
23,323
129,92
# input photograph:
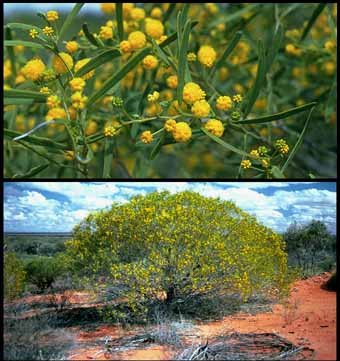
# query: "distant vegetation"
311,247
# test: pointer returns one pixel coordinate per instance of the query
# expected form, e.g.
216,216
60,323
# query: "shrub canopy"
176,246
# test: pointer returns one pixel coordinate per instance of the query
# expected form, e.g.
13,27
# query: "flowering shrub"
96,100
14,276
175,247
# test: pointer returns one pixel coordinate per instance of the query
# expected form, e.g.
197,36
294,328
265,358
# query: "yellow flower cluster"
146,137
154,28
109,131
153,97
172,81
201,109
77,84
246,164
192,92
53,101
207,55
106,32
34,69
182,132
291,49
170,125
56,113
150,62
79,64
78,100
137,40
215,127
52,15
72,46
224,103
48,30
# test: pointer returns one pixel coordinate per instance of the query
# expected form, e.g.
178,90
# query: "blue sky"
58,206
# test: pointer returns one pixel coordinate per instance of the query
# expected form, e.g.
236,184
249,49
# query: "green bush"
311,247
43,271
14,276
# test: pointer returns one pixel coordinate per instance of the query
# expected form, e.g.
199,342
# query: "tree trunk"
170,295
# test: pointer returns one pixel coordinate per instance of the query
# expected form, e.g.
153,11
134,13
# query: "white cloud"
75,200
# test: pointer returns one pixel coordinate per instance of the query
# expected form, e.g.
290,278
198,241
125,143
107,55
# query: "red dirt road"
309,319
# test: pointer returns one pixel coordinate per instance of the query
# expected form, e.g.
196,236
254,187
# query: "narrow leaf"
32,172
11,134
298,143
224,144
260,78
313,19
233,42
11,51
278,116
27,44
108,157
90,37
156,149
119,17
26,94
168,13
182,60
69,20
276,172
110,83
98,61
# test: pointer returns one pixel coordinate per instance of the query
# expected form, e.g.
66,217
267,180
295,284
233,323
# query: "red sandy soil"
309,319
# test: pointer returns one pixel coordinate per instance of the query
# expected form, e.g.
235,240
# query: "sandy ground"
309,318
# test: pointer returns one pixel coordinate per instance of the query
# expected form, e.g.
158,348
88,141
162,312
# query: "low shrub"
14,276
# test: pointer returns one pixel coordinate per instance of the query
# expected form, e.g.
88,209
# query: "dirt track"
308,319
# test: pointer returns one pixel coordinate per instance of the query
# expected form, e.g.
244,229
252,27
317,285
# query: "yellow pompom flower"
153,97
110,131
265,163
154,28
330,45
77,84
137,14
72,46
201,108
192,92
137,40
224,103
254,153
80,64
62,63
246,164
7,69
56,113
125,46
150,62
44,90
191,57
206,55
291,49
237,98
172,81
106,32
47,30
215,127
52,15
182,132
108,8
146,137
329,67
33,33
53,101
282,146
34,69
170,125
156,12
78,100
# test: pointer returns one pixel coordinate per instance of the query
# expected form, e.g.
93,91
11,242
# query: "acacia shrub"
14,276
174,247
